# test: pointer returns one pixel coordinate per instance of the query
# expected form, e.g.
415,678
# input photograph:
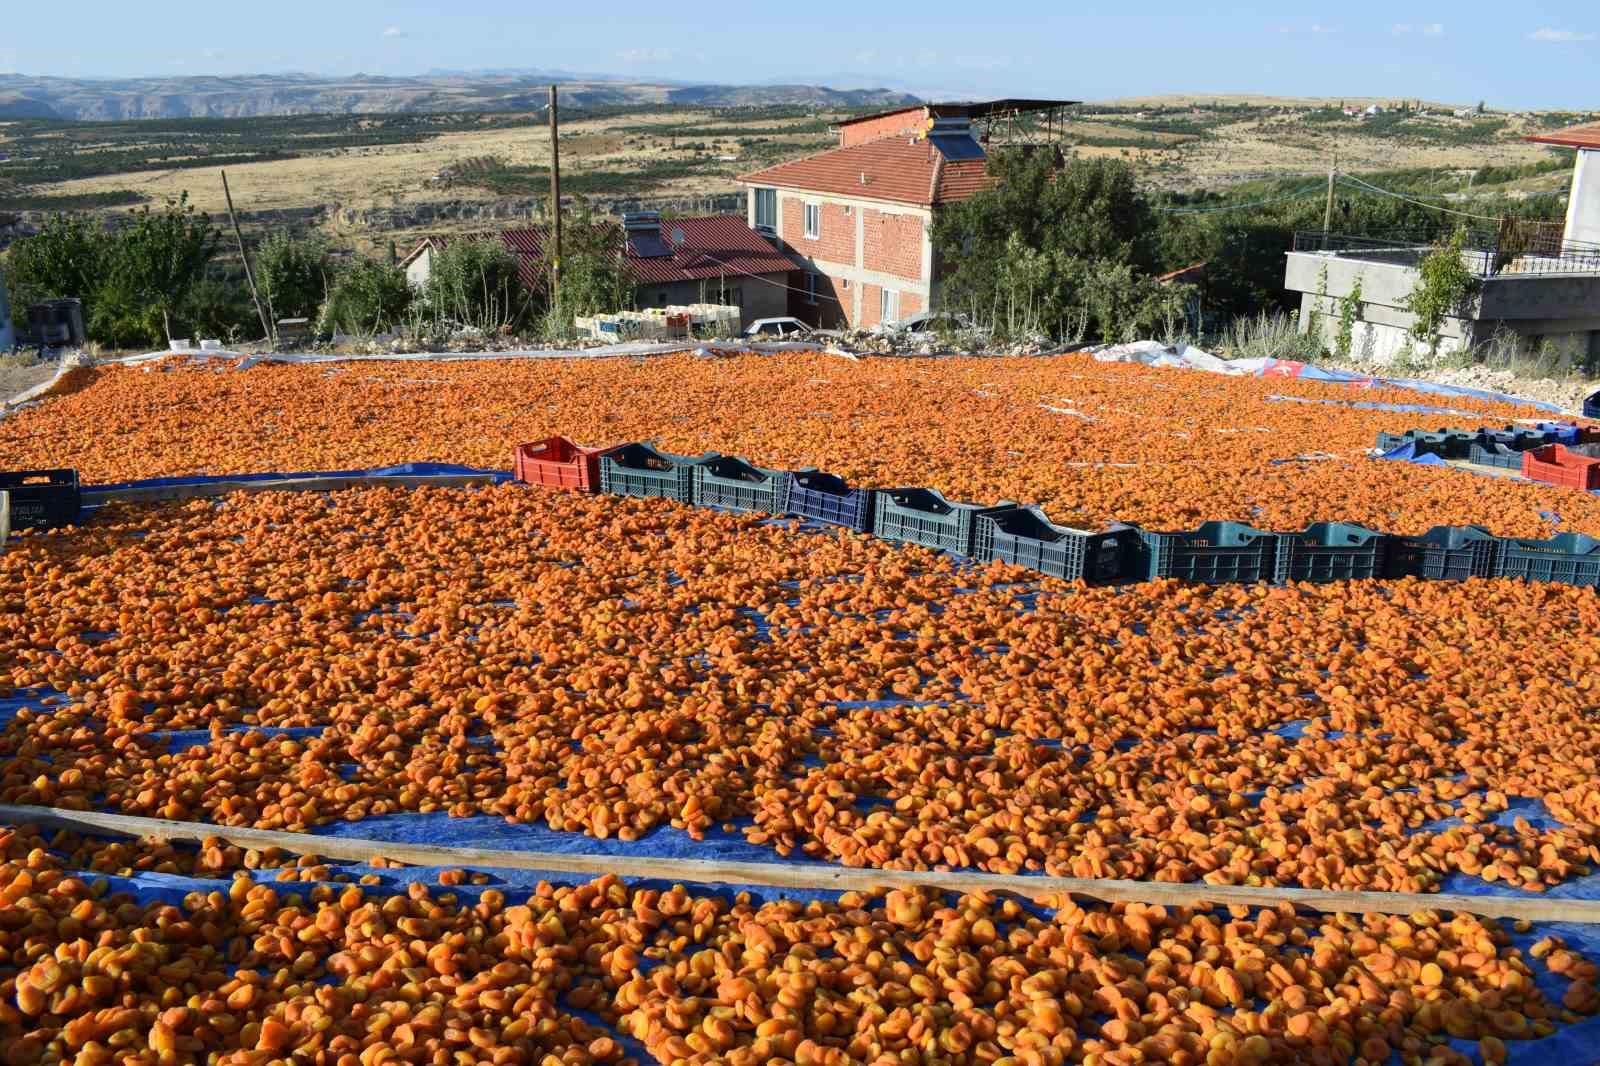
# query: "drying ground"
665,676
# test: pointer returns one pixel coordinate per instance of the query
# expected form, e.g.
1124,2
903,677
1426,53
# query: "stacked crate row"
662,323
1215,553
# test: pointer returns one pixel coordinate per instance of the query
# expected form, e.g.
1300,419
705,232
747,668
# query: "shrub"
476,284
64,259
292,275
368,297
1444,284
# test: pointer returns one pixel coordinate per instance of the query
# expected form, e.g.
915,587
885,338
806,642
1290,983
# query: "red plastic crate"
1557,464
558,463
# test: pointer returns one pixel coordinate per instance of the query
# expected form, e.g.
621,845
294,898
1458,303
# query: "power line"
775,284
1302,194
1367,186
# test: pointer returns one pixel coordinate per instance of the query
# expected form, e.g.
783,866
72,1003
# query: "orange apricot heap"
613,666
245,974
1166,449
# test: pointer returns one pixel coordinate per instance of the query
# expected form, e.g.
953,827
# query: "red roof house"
859,217
712,258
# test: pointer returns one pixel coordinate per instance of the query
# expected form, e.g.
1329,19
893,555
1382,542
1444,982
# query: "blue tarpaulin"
402,470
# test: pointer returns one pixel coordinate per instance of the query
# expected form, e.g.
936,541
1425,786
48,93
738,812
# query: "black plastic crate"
1443,553
1566,559
923,516
1331,551
42,499
1425,442
1024,536
640,470
732,484
826,498
1486,452
1217,553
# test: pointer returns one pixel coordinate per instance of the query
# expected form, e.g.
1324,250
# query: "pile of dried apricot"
614,667
245,974
1089,441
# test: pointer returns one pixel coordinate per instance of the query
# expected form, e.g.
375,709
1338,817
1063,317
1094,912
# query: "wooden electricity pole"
249,275
555,202
1327,215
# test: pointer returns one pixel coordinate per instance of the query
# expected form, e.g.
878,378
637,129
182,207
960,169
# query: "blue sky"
1527,54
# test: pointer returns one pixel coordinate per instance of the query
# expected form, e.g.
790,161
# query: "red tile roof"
713,246
897,169
1572,137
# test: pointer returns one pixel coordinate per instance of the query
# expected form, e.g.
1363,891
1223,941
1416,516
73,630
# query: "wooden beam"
824,878
155,493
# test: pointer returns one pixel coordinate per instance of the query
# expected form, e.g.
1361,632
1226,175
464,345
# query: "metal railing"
1486,255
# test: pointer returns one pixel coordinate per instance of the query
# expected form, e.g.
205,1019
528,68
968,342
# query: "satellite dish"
677,236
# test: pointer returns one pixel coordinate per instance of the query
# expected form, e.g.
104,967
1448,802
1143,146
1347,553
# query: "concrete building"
1583,203
710,259
1535,286
859,218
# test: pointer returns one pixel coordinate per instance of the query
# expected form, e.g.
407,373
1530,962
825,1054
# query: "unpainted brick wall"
838,241
900,122
893,243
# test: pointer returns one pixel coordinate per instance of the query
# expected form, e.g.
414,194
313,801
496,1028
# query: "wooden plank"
826,878
157,493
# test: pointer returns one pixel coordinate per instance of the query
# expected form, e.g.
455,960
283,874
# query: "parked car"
932,322
8,335
778,327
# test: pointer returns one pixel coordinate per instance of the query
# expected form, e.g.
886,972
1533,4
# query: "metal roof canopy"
969,109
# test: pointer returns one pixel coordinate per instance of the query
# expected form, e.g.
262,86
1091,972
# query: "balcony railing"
1486,255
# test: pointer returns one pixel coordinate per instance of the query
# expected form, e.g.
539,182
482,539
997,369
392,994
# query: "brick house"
719,260
858,218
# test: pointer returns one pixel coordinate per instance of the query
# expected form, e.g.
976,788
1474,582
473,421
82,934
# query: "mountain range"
246,96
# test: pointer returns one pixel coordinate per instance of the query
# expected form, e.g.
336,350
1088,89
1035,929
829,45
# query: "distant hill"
23,96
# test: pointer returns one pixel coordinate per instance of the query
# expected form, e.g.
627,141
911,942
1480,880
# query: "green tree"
154,264
594,274
292,275
1444,284
368,297
1048,245
64,259
476,283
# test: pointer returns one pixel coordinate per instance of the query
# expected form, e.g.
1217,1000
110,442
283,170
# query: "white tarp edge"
610,351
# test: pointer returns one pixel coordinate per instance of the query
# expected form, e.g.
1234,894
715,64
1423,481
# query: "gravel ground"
1568,393
19,377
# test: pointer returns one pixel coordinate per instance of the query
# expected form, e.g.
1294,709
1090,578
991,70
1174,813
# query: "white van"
8,336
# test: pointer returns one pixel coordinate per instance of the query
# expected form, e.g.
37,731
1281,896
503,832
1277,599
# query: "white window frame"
771,197
889,306
813,284
812,221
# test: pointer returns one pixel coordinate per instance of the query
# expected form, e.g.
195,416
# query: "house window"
813,284
813,221
731,296
890,310
767,208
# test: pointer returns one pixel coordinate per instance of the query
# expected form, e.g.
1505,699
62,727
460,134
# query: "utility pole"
555,201
1327,215
249,275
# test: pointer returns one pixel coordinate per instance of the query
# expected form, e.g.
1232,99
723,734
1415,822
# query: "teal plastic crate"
1024,536
1331,551
640,470
729,483
1566,559
1217,553
924,516
1443,553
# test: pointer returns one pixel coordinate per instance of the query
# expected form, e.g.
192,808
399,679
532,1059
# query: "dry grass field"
408,173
